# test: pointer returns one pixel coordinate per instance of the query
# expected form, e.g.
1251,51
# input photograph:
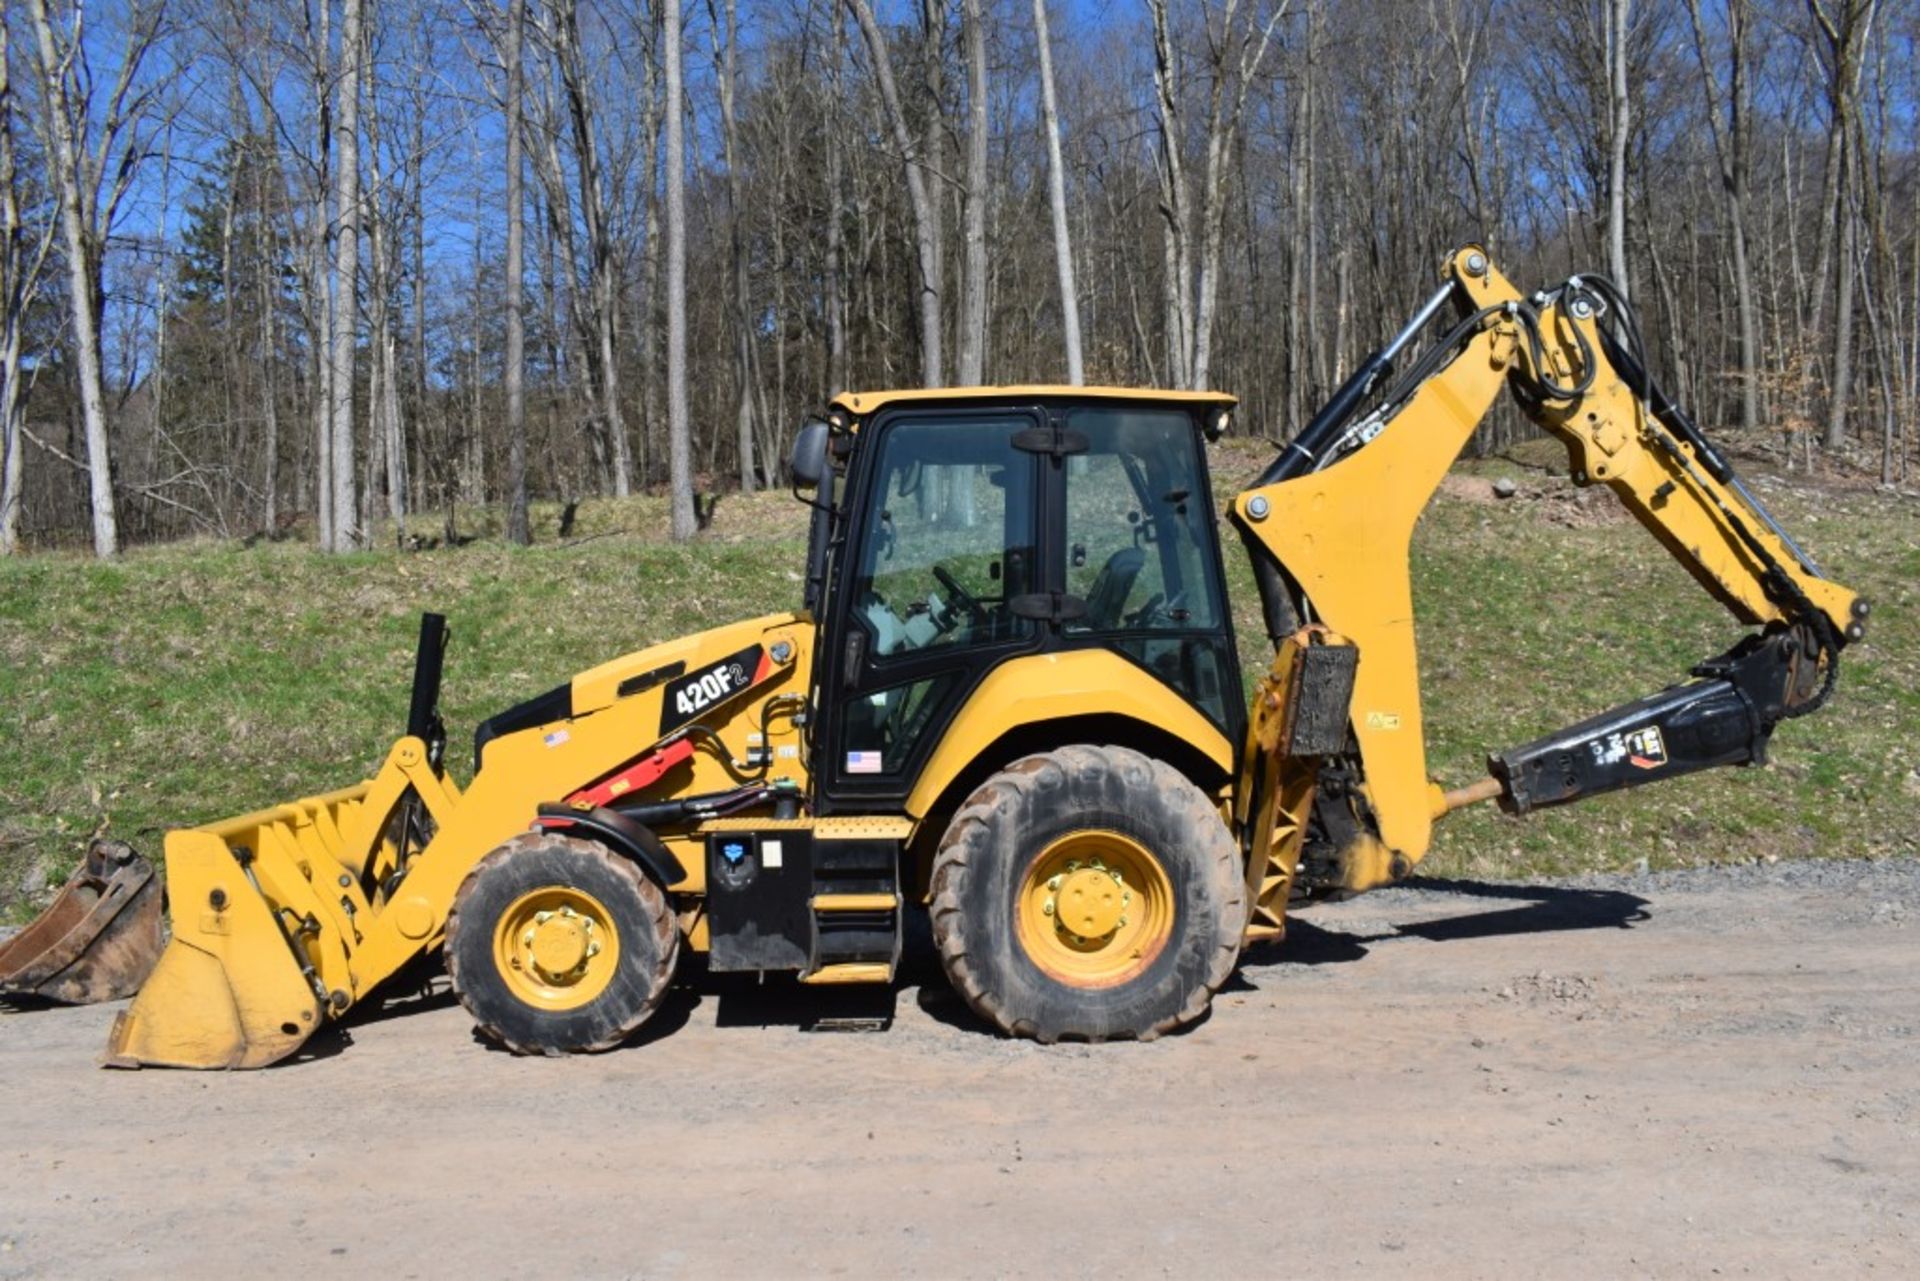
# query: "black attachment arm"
1725,718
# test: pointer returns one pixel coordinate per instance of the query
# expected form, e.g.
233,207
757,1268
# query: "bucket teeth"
99,938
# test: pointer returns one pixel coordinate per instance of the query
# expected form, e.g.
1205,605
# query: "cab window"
949,539
1138,526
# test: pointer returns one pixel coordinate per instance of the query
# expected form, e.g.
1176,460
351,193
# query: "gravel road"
1705,1073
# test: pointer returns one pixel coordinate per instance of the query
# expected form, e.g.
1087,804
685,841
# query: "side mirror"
809,461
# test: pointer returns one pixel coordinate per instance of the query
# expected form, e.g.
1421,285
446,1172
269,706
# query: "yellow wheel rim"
556,947
1093,909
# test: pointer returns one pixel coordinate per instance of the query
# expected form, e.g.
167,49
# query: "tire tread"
972,825
665,928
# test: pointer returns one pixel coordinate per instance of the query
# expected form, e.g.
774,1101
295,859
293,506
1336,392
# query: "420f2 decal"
709,686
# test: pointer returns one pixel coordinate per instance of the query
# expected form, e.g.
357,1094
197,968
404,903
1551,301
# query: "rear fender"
1048,688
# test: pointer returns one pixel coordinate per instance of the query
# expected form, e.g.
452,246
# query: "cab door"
944,538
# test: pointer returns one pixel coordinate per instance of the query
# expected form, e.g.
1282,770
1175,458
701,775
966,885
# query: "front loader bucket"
99,938
228,991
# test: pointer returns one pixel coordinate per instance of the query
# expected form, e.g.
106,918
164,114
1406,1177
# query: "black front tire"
993,843
648,935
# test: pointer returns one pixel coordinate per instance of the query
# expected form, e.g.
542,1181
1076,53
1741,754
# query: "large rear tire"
559,946
1088,893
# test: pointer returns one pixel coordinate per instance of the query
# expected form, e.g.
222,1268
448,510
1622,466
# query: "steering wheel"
1157,608
961,597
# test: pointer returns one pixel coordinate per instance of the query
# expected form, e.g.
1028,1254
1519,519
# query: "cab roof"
863,403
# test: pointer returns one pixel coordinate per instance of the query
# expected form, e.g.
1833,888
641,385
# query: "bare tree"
1731,148
316,283
973,288
596,209
679,426
1235,51
23,256
926,233
836,297
724,25
86,213
519,530
346,532
1057,201
1842,28
1297,165
386,438
1619,135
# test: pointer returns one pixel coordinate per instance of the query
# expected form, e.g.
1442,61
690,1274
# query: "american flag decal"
863,762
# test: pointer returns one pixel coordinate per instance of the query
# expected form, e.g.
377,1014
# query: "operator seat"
1108,595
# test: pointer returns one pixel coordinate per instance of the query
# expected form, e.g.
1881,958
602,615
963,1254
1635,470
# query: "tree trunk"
64,160
346,277
1057,201
386,430
1842,35
266,250
1176,218
1620,121
20,264
725,25
679,429
417,365
519,529
926,234
1840,381
595,210
836,283
1730,142
973,291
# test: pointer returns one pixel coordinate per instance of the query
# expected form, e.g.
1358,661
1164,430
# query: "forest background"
339,271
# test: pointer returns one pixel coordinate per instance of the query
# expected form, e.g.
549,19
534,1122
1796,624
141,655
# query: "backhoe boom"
1329,524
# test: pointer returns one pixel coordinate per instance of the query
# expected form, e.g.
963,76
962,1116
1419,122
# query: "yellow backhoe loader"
1010,693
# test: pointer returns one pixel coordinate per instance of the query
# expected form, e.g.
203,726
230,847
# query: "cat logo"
1646,749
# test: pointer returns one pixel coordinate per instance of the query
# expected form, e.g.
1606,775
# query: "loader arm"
1329,527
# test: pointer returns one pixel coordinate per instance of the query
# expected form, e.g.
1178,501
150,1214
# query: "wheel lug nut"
1046,908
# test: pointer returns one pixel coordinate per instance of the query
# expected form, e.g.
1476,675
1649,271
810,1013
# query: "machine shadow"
1538,909
782,1001
751,1001
676,1008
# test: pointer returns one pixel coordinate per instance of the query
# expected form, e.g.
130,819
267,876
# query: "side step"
854,909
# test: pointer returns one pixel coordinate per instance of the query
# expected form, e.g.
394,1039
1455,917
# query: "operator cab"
957,530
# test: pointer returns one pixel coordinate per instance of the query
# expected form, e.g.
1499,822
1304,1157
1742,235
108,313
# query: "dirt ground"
1693,1074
